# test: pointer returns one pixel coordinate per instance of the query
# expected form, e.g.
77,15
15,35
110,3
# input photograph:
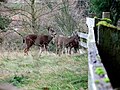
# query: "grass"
48,71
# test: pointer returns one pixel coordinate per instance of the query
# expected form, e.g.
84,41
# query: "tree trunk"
33,17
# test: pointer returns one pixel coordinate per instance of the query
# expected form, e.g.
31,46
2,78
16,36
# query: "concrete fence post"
105,14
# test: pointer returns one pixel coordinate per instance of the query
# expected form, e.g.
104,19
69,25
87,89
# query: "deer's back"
60,40
30,37
43,39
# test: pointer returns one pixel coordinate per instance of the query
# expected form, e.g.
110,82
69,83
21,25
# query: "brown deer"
39,40
73,42
60,42
63,42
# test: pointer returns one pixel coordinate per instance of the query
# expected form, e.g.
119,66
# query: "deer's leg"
26,50
70,50
28,45
67,49
79,50
63,50
41,50
75,50
57,49
46,49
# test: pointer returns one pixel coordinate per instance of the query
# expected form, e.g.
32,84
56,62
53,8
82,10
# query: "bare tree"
80,11
71,15
63,18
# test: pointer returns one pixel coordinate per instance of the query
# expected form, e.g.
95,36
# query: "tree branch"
49,12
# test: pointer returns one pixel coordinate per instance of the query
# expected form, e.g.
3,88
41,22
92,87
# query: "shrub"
4,22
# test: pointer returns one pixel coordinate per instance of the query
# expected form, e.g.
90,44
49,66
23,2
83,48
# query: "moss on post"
109,50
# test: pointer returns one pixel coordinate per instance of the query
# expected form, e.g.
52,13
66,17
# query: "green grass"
48,71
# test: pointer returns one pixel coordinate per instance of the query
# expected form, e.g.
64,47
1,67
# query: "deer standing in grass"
40,40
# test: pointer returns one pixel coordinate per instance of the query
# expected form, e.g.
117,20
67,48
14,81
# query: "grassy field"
48,71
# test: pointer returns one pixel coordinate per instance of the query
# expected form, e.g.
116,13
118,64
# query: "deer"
63,42
41,40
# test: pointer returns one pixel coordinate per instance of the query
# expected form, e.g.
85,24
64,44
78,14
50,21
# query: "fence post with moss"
97,76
